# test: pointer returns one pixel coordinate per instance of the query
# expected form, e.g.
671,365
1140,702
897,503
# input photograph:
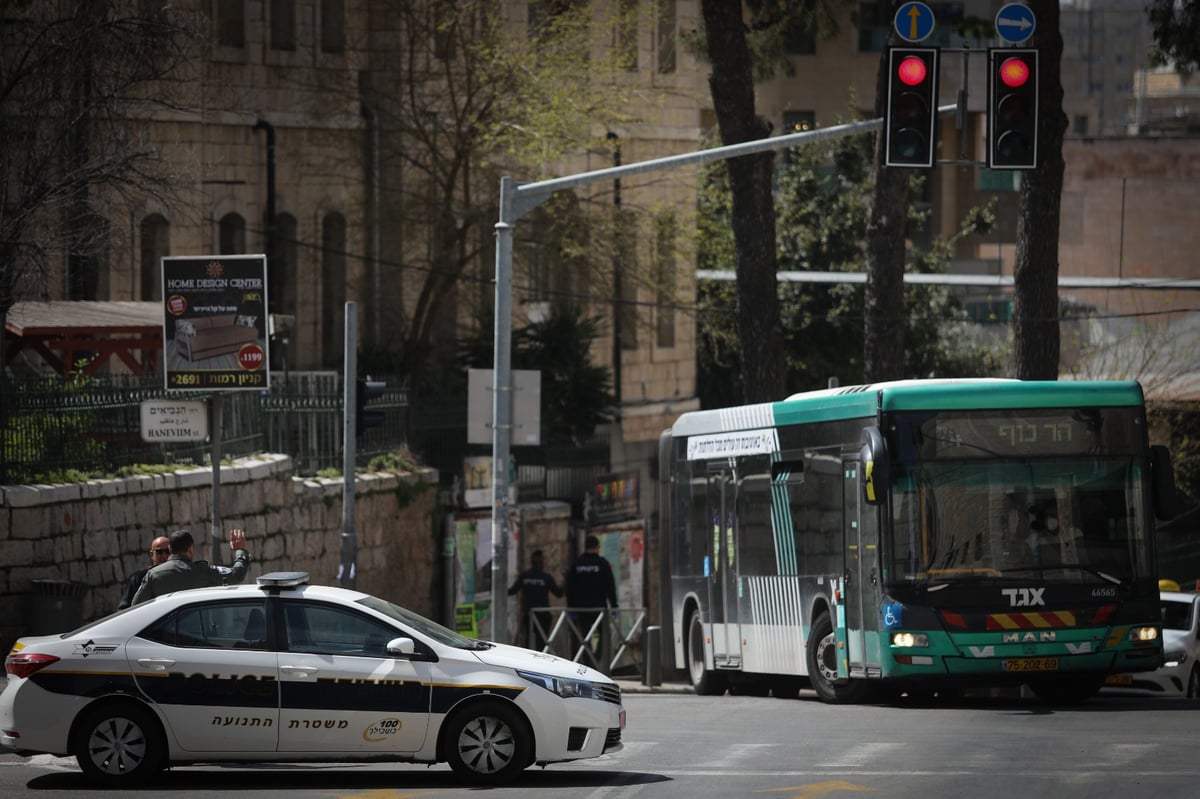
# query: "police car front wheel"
488,743
118,744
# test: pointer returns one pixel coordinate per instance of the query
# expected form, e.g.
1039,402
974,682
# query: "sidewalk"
633,685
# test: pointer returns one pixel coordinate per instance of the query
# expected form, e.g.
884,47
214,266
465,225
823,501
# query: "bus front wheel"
822,658
704,682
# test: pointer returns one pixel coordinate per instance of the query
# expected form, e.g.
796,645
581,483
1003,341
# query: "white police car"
290,671
1180,673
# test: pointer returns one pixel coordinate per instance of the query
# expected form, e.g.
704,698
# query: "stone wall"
96,533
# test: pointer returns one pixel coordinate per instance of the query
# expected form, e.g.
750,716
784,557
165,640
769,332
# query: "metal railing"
52,425
607,639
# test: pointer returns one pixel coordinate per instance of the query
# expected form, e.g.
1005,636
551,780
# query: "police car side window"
328,630
228,625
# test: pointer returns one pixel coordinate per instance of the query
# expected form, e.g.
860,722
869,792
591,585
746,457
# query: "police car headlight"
563,686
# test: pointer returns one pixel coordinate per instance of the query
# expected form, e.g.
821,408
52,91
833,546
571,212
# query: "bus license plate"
1031,664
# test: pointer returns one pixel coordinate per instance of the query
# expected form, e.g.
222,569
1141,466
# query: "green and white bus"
915,537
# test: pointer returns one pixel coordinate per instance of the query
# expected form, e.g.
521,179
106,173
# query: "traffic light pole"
517,200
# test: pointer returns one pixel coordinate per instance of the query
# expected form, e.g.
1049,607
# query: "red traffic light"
912,70
1014,72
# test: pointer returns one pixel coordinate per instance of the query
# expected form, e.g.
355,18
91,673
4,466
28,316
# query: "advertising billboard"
215,323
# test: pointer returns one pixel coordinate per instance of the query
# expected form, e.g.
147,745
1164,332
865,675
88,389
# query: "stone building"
291,137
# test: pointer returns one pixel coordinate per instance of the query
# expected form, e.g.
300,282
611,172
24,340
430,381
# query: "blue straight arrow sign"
1015,23
914,21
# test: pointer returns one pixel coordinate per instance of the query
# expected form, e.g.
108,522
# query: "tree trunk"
1035,273
753,213
883,320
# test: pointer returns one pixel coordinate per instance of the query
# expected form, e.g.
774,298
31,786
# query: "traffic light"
910,120
1012,109
368,390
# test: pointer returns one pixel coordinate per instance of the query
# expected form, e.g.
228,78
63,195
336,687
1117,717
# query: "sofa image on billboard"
208,336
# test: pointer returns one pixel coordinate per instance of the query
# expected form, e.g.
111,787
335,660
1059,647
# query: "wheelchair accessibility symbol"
893,615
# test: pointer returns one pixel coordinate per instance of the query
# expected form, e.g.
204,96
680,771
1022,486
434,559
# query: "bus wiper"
1102,575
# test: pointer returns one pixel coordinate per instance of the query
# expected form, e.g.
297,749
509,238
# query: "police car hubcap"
486,744
117,746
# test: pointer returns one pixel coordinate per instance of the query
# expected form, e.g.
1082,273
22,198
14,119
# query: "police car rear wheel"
488,743
119,744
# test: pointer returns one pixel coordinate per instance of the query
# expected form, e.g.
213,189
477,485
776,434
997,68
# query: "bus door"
861,591
720,567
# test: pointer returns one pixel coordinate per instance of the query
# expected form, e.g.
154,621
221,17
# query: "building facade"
292,136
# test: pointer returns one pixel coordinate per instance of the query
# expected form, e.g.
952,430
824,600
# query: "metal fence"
608,639
53,425
92,425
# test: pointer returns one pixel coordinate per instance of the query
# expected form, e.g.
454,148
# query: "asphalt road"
679,745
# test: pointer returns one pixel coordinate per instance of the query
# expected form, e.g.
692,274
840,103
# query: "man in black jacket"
536,585
591,588
160,550
181,572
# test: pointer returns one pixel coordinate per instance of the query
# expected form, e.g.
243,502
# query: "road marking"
866,753
381,793
735,754
818,789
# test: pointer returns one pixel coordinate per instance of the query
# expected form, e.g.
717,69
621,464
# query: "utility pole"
518,199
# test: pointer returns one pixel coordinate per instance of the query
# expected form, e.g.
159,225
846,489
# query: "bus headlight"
910,639
1143,634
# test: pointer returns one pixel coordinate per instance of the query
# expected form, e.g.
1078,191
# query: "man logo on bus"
1024,597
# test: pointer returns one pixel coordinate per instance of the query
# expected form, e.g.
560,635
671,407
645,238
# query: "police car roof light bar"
283,580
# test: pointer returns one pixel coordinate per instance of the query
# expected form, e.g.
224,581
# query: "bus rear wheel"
704,681
822,656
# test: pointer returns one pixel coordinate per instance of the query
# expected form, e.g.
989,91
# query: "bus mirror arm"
1162,476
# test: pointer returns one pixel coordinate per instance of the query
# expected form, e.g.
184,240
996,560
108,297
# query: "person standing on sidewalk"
591,588
536,585
160,550
181,572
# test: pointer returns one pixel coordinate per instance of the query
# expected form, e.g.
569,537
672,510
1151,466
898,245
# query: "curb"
634,687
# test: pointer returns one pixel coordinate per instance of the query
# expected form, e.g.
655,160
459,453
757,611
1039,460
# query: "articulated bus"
916,537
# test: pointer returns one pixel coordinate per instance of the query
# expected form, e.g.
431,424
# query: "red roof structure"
66,332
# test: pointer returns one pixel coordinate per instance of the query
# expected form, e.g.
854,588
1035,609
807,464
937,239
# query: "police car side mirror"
401,646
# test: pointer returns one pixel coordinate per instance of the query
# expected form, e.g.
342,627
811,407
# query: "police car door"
209,668
340,691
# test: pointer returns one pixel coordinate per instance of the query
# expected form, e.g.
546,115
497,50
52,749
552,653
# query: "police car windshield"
415,621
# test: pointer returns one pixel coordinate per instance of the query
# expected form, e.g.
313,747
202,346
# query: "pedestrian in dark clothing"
160,549
591,588
536,585
181,572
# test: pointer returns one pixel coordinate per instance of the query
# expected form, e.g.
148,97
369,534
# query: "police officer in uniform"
591,587
536,585
160,550
181,572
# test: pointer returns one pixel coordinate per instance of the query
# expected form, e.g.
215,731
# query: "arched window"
155,244
230,23
333,287
333,26
231,235
283,24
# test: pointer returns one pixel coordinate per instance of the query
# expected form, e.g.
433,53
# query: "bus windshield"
1070,520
